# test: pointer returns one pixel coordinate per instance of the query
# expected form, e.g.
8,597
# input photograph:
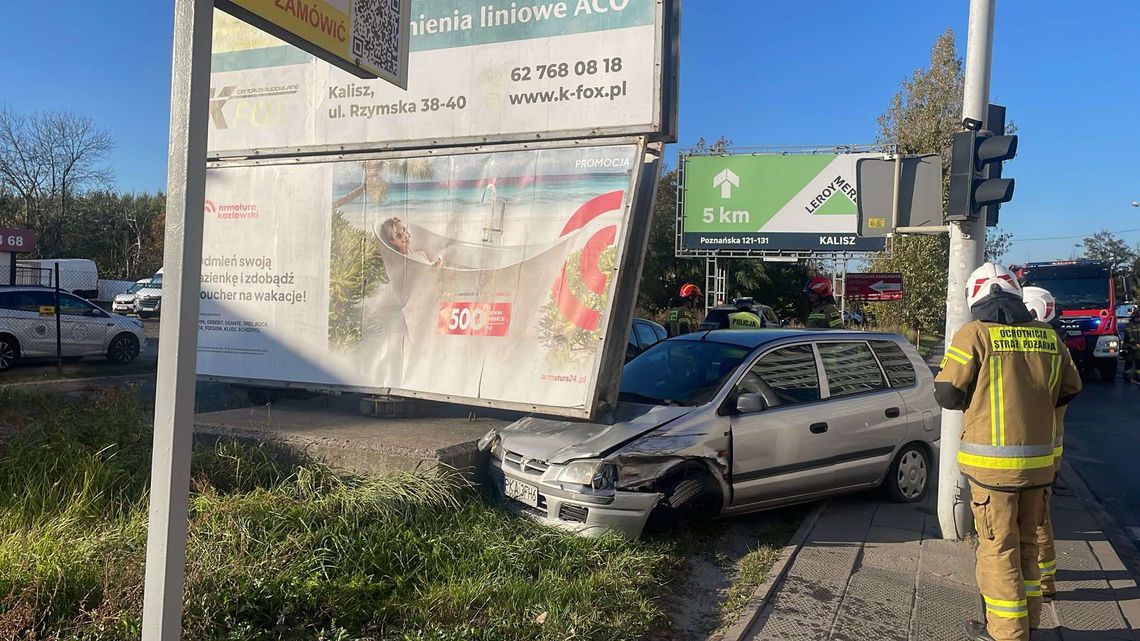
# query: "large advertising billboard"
772,203
478,73
482,277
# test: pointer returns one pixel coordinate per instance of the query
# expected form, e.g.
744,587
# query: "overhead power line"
1029,240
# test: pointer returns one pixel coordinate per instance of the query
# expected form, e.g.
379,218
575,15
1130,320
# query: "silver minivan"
726,422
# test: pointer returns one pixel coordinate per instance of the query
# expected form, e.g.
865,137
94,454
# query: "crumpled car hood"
557,441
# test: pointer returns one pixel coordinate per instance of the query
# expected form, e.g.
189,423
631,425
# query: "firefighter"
824,314
743,317
683,315
1008,373
1043,307
1132,346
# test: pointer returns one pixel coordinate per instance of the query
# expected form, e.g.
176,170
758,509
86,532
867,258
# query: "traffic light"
975,156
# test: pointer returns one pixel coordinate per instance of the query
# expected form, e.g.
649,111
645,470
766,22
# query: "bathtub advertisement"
474,277
477,73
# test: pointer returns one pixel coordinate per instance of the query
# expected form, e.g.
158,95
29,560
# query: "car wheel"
9,352
124,349
909,477
690,495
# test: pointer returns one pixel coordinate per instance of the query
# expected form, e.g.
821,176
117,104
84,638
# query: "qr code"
376,34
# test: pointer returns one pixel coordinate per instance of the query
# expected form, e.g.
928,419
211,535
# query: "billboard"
870,286
477,73
479,277
771,203
366,38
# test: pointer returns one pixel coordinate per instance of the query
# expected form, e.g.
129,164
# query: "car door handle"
892,412
818,428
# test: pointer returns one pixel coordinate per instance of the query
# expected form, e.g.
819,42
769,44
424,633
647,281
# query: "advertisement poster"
774,203
477,73
478,276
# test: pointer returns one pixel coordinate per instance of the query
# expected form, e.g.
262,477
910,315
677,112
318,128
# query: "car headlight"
598,475
493,443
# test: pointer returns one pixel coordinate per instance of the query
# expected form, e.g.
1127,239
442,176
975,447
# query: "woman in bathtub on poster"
396,233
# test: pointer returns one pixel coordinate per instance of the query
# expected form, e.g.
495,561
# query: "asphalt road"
1102,442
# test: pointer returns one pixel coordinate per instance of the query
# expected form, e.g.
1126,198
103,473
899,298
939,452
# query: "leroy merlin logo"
836,198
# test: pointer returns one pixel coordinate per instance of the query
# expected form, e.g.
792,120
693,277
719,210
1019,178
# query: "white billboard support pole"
967,251
178,336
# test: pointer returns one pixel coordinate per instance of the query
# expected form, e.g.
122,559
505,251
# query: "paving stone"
1089,611
900,515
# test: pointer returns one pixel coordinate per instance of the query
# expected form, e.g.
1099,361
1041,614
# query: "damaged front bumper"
523,488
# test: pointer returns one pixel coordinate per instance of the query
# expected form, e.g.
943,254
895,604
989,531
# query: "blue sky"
762,73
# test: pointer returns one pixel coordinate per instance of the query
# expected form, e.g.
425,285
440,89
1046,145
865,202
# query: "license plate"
521,492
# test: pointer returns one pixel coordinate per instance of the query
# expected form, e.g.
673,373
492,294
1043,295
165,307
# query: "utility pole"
967,252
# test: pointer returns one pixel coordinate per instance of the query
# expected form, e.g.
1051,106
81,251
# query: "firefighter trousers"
1007,570
1046,549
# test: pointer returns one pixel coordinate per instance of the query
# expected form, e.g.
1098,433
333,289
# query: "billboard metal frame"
602,391
666,87
679,229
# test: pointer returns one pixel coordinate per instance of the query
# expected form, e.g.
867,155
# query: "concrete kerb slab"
751,611
76,384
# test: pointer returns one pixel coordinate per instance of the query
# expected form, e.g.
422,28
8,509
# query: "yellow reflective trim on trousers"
1005,463
1048,568
1007,615
1032,588
1007,609
1020,603
1057,451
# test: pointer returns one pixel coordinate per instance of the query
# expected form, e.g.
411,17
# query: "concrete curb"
751,612
1122,545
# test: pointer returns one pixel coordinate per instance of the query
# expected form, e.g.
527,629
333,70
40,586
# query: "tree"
998,244
922,118
1103,246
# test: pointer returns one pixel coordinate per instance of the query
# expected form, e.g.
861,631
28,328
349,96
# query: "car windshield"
1076,293
155,283
134,288
684,372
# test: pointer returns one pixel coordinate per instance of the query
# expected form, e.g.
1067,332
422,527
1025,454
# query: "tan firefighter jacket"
1009,380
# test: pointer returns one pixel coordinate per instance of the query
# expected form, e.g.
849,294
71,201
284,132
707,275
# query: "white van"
125,303
79,276
148,300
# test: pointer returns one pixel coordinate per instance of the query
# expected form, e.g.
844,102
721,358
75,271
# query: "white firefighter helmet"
988,279
1040,302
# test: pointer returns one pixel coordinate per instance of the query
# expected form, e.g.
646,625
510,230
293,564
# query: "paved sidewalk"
871,571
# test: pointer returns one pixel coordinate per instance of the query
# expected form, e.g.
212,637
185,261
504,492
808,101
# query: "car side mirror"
749,403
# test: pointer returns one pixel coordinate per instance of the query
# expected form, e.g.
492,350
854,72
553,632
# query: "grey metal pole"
178,334
967,251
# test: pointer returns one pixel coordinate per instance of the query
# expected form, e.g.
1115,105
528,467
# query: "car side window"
72,306
37,300
645,335
850,368
10,300
900,371
786,376
659,332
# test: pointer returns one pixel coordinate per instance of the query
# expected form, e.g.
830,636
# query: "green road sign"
772,203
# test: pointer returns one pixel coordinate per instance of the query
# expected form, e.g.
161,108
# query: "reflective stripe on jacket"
1009,380
824,316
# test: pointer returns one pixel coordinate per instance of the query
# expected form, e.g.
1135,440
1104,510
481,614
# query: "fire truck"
1086,304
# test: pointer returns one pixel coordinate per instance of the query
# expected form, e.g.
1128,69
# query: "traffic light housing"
975,157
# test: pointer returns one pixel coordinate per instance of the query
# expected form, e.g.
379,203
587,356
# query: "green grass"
753,568
281,549
46,370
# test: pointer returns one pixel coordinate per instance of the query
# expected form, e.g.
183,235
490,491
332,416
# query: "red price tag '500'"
474,319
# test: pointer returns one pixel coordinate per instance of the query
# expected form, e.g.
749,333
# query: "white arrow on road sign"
726,180
883,287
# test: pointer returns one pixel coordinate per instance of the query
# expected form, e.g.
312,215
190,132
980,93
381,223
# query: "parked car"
717,317
149,299
643,335
729,422
28,328
125,303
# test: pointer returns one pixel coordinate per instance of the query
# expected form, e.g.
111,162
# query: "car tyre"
1107,371
690,495
124,349
909,477
9,351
